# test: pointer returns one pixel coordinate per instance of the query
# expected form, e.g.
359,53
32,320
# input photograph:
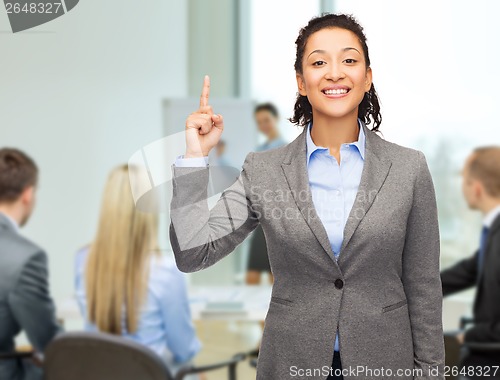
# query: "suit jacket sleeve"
460,276
421,277
483,332
31,303
489,330
201,237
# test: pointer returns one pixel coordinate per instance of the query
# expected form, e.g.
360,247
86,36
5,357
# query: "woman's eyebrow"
323,51
316,51
350,48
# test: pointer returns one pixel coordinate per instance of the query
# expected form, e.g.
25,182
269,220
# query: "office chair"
456,352
477,346
252,355
100,356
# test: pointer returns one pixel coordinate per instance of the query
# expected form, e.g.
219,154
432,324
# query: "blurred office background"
85,91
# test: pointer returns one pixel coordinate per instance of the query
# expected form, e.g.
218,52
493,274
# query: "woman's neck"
333,132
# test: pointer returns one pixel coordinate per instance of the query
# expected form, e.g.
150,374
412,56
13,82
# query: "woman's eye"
350,60
318,63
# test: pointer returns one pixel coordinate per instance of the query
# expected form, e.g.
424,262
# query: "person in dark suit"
25,302
481,188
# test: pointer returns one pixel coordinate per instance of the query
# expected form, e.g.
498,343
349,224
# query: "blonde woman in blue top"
124,286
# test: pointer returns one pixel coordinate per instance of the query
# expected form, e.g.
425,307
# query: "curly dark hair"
369,108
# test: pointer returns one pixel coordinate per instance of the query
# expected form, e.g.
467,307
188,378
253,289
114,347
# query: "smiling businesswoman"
350,220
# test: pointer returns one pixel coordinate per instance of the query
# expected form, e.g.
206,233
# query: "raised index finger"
205,92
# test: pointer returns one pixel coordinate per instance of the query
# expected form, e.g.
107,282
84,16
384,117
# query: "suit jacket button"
339,283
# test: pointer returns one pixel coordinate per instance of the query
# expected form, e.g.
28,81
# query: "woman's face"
334,74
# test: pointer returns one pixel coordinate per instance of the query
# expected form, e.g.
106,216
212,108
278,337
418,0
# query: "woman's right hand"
203,127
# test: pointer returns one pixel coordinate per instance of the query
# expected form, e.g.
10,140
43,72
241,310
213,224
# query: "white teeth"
336,92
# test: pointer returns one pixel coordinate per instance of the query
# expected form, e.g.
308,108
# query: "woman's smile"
335,92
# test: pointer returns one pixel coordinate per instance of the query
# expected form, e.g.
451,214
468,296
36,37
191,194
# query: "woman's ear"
368,81
300,84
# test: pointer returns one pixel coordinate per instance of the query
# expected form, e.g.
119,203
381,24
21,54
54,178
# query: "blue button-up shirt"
334,186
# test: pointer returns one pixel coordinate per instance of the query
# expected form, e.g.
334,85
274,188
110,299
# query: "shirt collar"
491,216
12,221
360,143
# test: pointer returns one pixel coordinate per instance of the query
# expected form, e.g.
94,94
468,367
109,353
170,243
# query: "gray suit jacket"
25,302
383,293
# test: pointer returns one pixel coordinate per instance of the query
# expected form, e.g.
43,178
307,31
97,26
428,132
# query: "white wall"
80,95
274,31
212,44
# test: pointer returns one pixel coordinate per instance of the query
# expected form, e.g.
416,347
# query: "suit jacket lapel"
375,170
295,170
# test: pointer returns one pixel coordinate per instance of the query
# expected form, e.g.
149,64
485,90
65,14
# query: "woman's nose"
334,72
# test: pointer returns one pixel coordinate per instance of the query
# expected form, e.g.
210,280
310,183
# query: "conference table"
240,303
236,302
